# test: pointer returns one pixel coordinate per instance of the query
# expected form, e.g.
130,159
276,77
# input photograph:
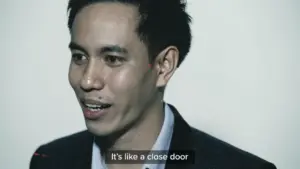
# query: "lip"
92,101
94,115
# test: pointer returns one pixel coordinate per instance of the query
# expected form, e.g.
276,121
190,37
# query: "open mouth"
96,107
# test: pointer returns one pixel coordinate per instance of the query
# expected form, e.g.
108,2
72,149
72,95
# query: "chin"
99,129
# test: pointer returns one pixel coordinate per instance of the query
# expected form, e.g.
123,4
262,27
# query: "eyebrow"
104,49
113,48
75,46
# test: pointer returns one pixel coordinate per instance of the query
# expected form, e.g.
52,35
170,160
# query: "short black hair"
162,23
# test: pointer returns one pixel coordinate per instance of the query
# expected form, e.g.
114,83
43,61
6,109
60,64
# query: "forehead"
105,22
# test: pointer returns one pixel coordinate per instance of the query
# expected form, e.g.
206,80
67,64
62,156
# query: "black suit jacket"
75,151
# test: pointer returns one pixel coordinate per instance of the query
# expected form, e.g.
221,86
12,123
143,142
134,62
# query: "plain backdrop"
240,82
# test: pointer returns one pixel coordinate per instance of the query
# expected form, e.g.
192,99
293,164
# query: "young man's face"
109,70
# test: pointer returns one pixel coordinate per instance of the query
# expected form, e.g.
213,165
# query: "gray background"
240,82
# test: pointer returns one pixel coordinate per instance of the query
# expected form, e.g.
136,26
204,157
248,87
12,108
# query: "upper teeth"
93,105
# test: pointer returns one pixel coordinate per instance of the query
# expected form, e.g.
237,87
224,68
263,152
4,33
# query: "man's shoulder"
62,152
219,153
65,143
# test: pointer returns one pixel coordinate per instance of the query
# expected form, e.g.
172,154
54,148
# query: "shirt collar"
162,143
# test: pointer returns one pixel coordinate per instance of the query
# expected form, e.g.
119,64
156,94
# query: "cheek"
130,84
124,81
74,76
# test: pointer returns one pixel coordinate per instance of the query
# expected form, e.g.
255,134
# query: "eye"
113,60
79,59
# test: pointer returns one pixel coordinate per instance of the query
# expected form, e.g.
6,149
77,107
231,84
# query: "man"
124,52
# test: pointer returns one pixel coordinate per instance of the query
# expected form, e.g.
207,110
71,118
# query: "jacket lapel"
181,139
83,158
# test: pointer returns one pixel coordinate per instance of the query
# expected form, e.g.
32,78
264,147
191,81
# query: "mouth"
96,107
93,109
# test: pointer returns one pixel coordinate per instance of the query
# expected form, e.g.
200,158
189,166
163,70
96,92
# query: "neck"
143,134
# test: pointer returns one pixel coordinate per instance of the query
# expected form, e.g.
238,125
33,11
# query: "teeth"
93,106
94,109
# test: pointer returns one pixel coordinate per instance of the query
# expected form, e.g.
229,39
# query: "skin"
122,78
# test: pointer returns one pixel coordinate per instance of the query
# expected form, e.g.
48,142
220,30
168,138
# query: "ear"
166,64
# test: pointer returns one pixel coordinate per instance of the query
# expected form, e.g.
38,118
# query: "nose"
92,78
